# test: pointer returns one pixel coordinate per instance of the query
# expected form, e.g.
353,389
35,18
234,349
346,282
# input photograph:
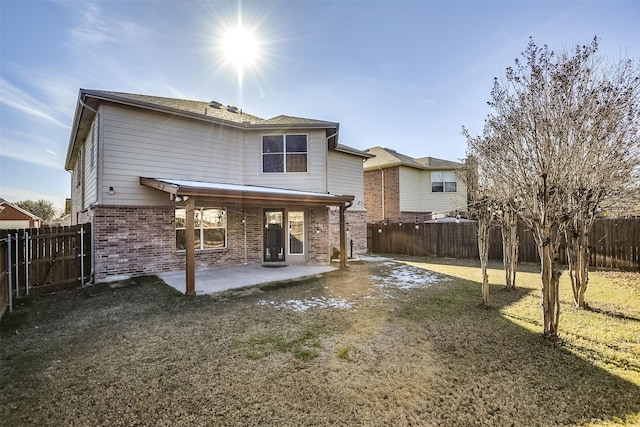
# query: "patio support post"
190,267
343,238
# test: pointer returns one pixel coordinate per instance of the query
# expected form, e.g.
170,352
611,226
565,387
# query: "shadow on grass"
614,314
491,361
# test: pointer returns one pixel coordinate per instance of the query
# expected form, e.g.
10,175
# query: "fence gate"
43,261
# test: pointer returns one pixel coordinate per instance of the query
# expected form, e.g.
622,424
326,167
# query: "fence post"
81,255
26,261
9,271
17,269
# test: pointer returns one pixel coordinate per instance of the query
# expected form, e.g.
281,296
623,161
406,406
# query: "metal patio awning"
243,195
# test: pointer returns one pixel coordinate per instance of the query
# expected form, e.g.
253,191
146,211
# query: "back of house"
262,190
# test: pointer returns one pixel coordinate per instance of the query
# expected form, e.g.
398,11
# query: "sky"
405,75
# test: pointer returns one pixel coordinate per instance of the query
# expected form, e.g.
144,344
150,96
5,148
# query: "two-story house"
406,189
161,178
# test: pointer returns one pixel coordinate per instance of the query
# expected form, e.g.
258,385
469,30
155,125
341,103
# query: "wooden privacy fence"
615,243
43,261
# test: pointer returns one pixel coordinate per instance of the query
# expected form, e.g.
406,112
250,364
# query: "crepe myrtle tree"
508,218
563,135
484,209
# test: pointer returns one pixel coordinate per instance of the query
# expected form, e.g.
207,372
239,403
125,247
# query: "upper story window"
284,153
443,182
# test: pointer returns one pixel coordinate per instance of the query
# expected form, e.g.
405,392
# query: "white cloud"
30,148
16,98
57,93
94,27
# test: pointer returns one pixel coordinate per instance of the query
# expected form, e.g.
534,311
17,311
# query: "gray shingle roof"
212,109
386,158
209,109
290,120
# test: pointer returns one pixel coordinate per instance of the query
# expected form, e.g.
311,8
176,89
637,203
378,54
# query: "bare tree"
508,216
563,136
483,209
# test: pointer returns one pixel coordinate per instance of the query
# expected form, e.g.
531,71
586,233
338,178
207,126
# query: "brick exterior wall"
356,223
138,240
373,194
133,241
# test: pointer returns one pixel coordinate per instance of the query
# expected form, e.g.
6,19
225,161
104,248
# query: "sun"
240,47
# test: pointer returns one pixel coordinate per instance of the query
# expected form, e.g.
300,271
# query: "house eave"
353,151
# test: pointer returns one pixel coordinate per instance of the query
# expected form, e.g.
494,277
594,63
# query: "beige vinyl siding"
413,183
345,177
445,202
416,195
312,180
141,143
10,224
91,165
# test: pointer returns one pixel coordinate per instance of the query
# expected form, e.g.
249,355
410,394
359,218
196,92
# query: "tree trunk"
578,260
509,228
547,248
483,248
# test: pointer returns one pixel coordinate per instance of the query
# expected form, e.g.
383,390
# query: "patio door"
274,235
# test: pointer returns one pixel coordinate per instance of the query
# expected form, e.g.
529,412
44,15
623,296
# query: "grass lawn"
391,342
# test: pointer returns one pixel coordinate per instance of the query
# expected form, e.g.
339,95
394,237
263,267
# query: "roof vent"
215,104
232,109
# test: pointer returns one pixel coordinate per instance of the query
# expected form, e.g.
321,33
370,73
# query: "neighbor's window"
296,232
210,228
284,153
443,182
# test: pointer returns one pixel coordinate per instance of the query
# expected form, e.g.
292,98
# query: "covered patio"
221,279
242,196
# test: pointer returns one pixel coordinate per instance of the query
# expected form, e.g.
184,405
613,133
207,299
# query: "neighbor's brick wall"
134,241
356,224
373,194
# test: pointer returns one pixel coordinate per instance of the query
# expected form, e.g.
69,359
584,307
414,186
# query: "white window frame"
198,225
290,234
444,178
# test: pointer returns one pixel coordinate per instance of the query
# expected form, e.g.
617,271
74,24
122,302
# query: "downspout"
98,189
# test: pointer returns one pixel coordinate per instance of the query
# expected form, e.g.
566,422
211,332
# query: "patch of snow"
315,302
369,258
407,277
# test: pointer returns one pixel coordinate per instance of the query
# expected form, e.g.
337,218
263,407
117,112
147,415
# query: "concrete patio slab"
210,281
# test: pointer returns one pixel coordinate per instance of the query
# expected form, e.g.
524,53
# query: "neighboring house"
261,190
406,189
14,217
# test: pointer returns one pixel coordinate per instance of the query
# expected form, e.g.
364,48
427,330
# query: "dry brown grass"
374,350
